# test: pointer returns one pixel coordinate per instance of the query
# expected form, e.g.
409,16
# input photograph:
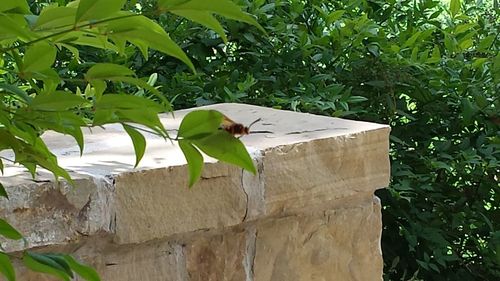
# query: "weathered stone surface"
217,258
156,203
152,261
307,215
342,244
50,213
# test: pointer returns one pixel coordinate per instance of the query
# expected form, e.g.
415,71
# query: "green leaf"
56,101
84,271
6,267
203,18
454,7
58,259
13,89
107,71
194,160
55,17
39,56
411,40
139,142
13,26
200,123
97,9
3,192
486,43
41,263
7,231
15,6
145,33
123,101
225,147
225,8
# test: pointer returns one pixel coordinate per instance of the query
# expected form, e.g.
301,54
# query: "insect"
236,129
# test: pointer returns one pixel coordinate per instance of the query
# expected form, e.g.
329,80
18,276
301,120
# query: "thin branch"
74,28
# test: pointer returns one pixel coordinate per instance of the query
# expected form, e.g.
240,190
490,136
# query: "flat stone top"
110,151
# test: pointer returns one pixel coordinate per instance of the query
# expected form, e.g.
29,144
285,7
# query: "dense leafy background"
430,69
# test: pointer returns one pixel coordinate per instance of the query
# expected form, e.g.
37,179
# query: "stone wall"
309,214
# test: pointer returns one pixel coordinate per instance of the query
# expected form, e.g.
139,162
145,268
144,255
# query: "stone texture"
156,203
217,258
307,215
48,213
340,244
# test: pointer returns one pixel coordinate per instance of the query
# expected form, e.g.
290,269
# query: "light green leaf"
107,71
200,123
13,26
40,263
97,9
194,160
7,231
15,6
143,32
411,40
225,147
57,101
225,8
6,267
454,7
39,56
334,16
3,192
486,43
55,17
139,142
84,271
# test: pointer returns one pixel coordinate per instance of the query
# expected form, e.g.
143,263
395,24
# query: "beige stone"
157,203
307,215
217,257
342,244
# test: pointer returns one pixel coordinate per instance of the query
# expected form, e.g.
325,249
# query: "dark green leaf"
16,91
41,263
7,231
84,271
3,193
225,147
194,160
6,267
139,142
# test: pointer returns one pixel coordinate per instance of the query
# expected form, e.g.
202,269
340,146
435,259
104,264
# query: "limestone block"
48,213
157,203
343,244
217,257
153,261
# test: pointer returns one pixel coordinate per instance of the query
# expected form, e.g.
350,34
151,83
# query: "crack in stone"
249,260
246,194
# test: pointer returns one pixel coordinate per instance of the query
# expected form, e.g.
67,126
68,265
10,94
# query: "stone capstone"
309,214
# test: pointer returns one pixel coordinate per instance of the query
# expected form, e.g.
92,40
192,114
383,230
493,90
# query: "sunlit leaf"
39,56
138,141
200,123
6,267
225,147
194,160
7,231
97,9
57,101
84,271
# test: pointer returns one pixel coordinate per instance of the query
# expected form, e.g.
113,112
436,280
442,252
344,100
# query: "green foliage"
430,69
65,65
